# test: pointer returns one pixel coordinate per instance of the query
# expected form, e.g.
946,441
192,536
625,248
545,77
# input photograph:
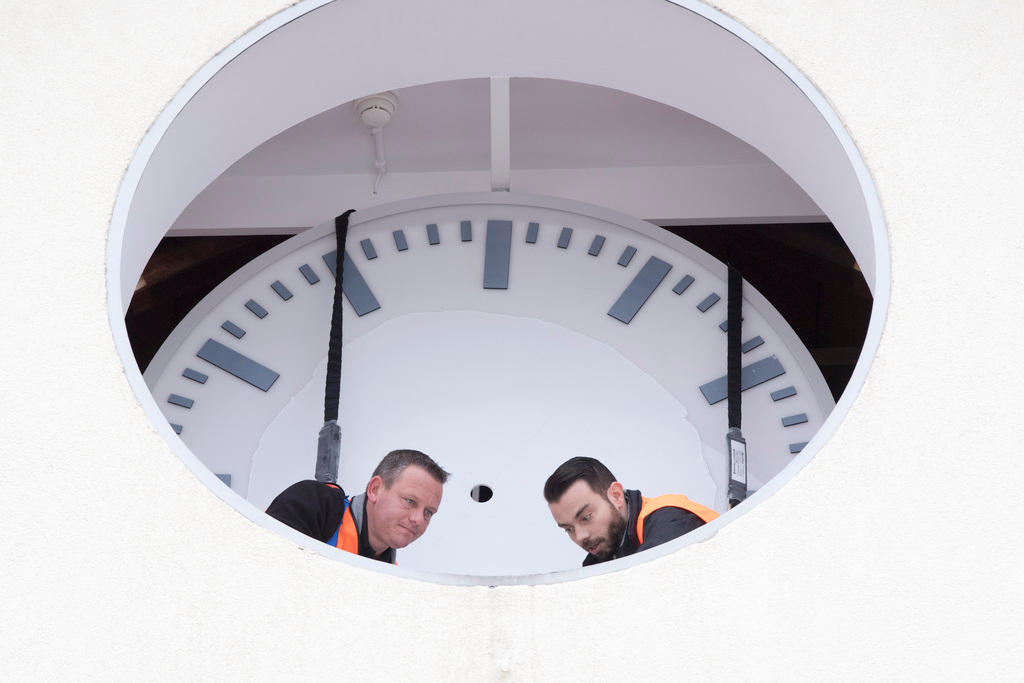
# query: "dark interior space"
179,274
805,270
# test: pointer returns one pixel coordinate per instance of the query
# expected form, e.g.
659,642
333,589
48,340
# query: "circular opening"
192,158
481,493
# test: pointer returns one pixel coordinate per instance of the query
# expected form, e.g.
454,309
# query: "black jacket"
316,509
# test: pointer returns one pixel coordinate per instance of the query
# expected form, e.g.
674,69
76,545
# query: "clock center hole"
481,493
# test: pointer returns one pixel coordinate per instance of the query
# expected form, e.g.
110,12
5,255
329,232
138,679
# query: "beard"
613,536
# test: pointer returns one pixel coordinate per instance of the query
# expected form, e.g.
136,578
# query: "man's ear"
374,487
616,495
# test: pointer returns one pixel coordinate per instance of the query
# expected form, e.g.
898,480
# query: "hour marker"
180,401
256,309
724,325
354,286
497,252
226,478
176,427
783,393
750,376
400,242
683,284
751,344
368,249
797,447
233,329
791,420
281,290
709,301
564,237
531,233
627,256
466,228
194,375
595,246
307,272
242,367
642,286
433,237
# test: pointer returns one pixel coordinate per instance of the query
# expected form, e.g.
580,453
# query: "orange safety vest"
672,500
347,535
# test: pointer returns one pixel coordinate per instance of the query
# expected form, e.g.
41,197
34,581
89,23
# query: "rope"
328,454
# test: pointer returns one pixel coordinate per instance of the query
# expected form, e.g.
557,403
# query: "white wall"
893,554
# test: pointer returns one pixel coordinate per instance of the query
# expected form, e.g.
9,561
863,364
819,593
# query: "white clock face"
501,334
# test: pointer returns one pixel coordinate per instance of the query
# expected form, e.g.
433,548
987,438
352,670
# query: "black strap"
333,389
735,442
732,368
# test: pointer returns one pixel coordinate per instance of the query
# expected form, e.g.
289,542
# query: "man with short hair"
610,522
400,499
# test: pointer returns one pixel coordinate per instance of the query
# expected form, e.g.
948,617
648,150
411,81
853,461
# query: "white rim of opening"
872,338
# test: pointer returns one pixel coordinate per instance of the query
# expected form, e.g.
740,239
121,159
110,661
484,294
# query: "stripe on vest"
672,500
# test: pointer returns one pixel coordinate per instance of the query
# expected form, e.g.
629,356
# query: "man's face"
399,515
594,521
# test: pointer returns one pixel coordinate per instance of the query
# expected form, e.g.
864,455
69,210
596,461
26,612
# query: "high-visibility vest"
346,536
672,500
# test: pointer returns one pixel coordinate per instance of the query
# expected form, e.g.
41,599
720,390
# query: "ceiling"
554,124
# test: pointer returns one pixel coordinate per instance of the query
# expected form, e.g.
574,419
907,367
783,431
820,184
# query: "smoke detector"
376,110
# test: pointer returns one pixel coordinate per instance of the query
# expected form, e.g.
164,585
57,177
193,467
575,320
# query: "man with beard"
395,509
610,522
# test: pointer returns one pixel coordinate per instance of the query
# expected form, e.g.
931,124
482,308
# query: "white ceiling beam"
501,149
706,194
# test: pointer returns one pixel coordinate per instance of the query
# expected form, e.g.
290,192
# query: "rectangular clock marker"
368,249
232,329
400,243
195,375
354,286
307,272
638,291
627,256
751,344
795,448
180,401
595,246
783,393
750,376
176,427
466,228
242,367
497,253
791,420
709,301
256,309
531,233
433,236
281,290
226,478
564,237
683,284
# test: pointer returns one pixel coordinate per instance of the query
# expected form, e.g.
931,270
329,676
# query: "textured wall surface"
893,554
